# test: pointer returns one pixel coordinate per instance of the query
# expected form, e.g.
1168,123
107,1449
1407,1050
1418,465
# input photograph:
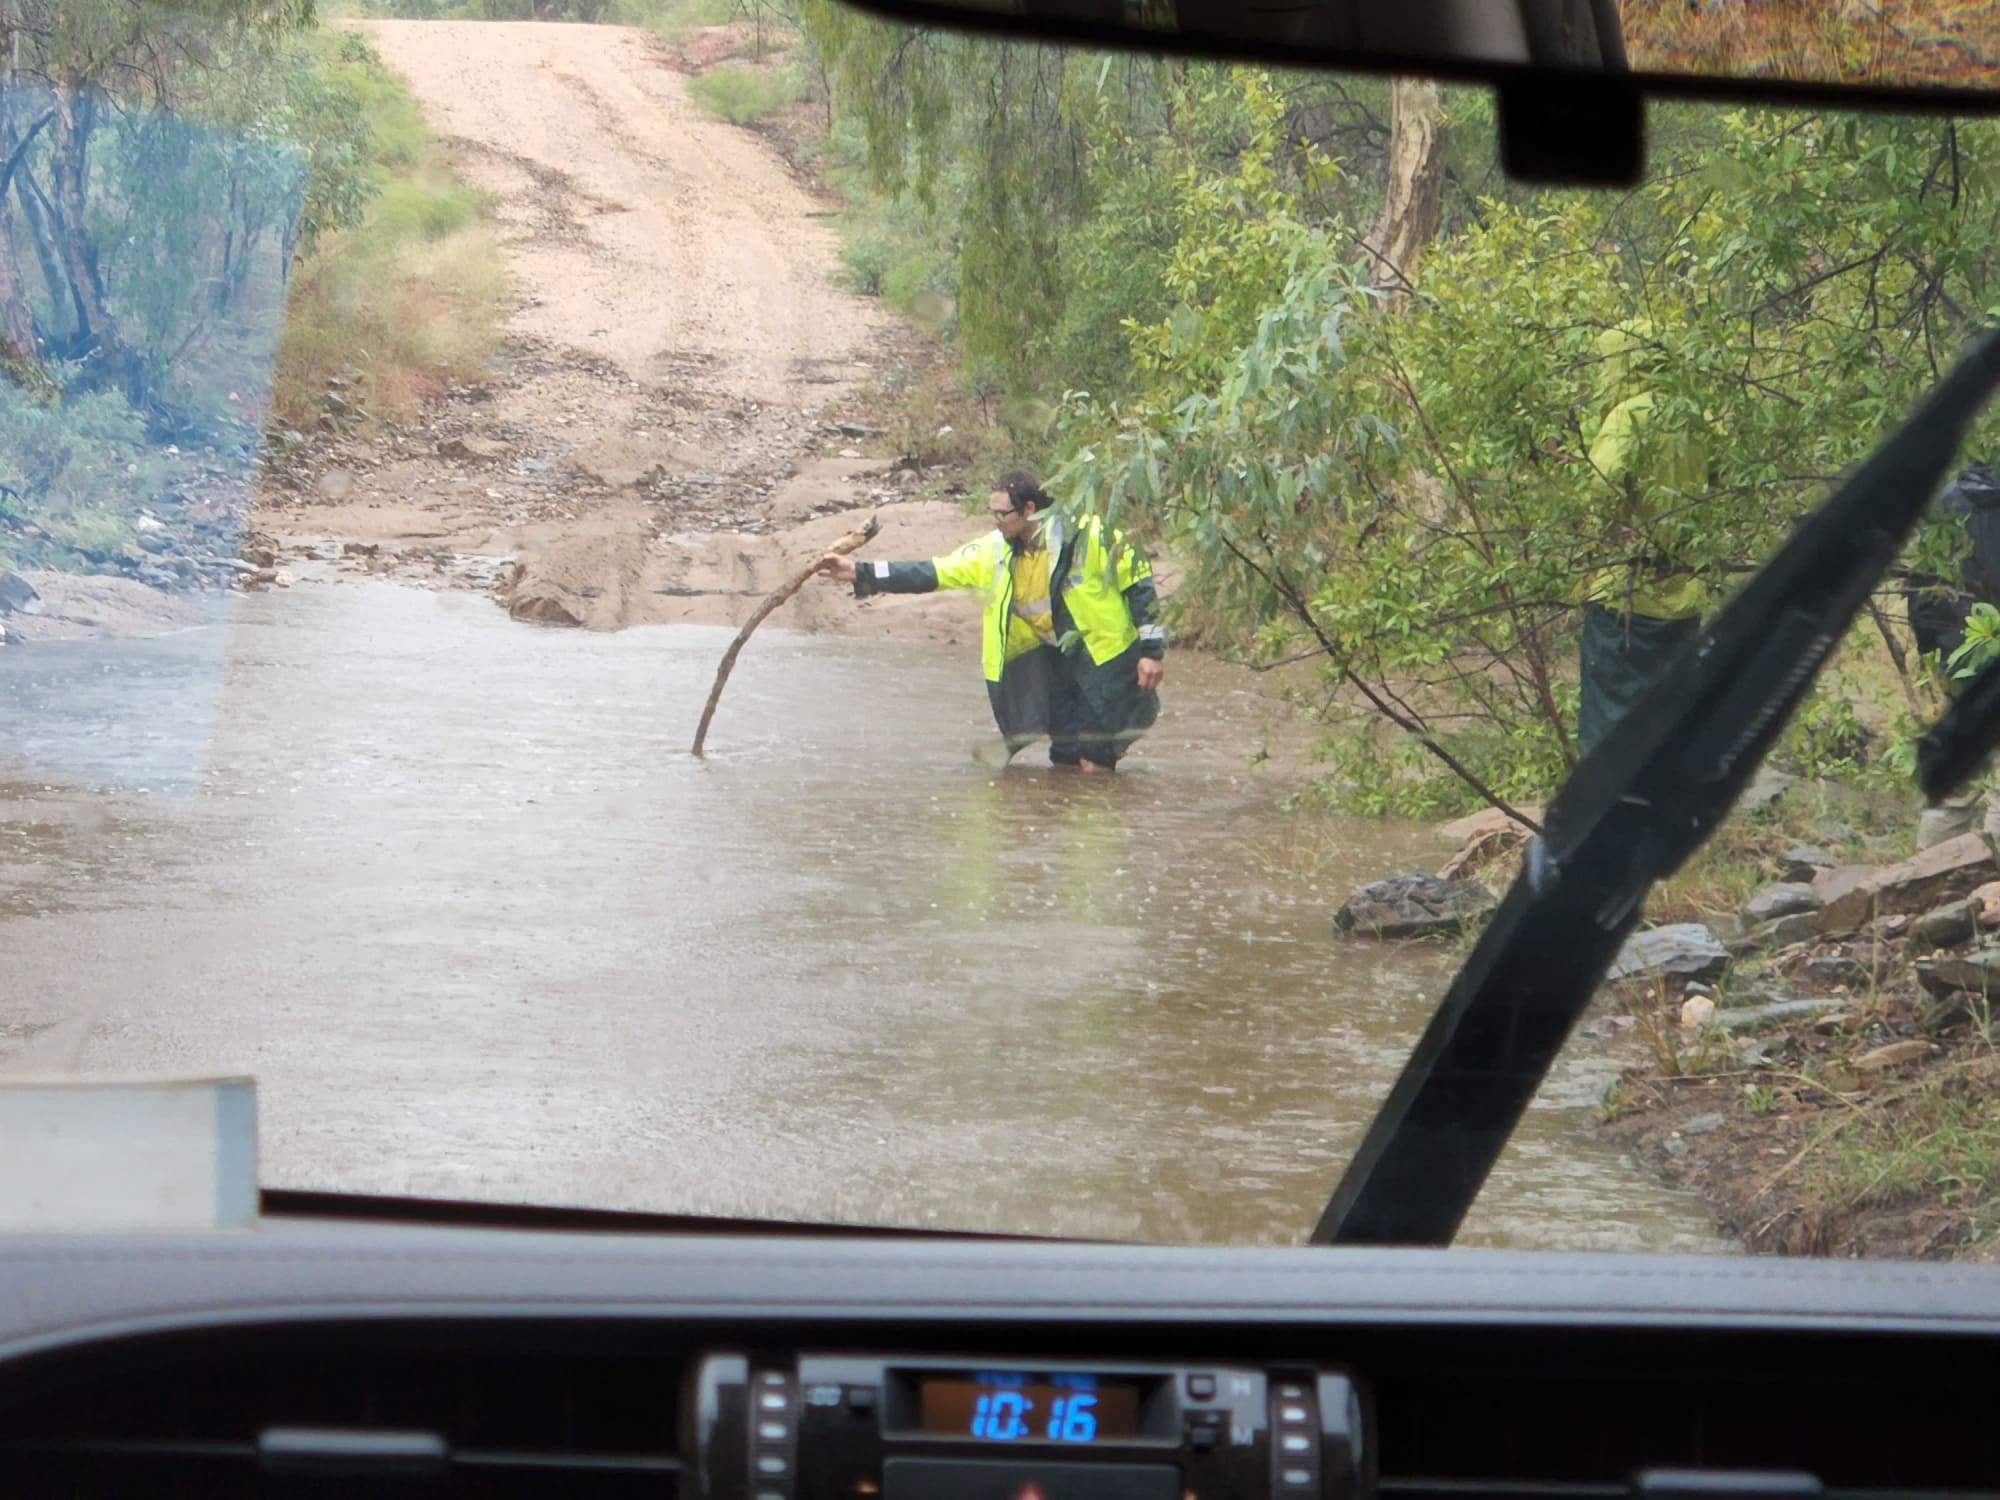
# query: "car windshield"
732,608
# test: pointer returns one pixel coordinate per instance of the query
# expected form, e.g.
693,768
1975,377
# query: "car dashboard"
328,1357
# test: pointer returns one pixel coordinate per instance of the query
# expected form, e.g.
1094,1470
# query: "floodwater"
454,891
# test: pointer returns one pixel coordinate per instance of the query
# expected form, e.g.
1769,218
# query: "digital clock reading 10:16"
1009,1406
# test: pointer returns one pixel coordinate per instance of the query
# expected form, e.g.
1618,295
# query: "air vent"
1498,1433
389,1413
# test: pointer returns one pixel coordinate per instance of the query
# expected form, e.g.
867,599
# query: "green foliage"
421,209
1982,641
198,212
1898,762
320,100
1233,239
673,19
1116,273
190,225
489,10
889,245
197,199
880,259
407,297
1826,740
742,96
1943,1139
397,138
866,254
158,206
1417,492
78,472
125,46
1039,175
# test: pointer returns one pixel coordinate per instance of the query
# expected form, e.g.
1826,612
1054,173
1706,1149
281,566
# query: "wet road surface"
453,890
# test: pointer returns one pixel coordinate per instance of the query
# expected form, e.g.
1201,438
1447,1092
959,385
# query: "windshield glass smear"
1143,546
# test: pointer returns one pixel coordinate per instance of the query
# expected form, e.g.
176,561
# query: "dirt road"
650,445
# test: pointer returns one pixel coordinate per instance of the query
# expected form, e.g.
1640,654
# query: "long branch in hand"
853,541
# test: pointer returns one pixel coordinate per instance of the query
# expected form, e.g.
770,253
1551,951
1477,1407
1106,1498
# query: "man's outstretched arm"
958,570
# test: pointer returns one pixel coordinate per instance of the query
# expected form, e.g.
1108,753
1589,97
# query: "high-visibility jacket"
1101,591
1647,471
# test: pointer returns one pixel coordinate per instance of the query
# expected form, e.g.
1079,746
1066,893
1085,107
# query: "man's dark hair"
1020,488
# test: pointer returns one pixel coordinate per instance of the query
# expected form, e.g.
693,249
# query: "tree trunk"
17,317
110,361
41,232
1414,200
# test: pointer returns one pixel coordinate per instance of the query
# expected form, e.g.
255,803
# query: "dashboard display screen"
1008,1406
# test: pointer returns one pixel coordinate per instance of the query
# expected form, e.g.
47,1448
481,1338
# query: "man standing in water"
1070,645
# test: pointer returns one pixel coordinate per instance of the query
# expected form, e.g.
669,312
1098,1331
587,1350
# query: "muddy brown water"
453,890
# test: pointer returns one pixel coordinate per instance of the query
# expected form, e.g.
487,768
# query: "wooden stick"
848,543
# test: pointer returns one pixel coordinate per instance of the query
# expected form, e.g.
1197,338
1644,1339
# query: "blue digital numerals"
1006,1410
1001,1414
1073,1419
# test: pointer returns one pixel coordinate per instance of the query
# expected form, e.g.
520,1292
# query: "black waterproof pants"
1089,712
1622,657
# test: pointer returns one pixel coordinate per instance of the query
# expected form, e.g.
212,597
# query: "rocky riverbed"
1815,1063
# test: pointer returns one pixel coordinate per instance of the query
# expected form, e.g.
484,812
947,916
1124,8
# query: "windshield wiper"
1639,804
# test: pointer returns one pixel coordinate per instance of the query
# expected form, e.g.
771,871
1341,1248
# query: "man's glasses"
1001,515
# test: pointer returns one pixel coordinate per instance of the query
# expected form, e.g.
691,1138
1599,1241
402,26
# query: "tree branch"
1276,580
848,543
